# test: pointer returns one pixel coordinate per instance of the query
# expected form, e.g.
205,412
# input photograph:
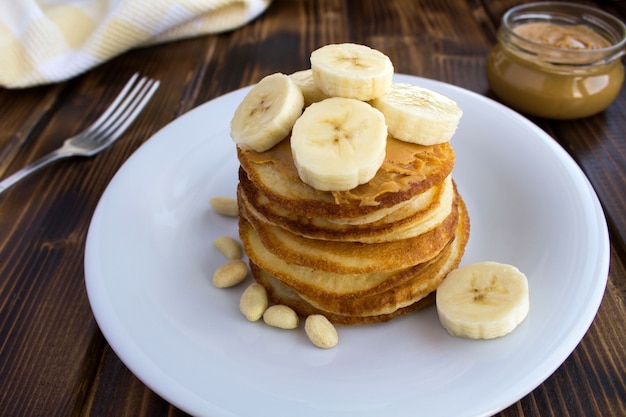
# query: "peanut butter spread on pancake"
408,169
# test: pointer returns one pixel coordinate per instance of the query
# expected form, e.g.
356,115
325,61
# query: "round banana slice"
418,115
306,84
351,70
484,300
338,143
267,113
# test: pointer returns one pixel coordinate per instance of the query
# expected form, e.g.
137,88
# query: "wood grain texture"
54,360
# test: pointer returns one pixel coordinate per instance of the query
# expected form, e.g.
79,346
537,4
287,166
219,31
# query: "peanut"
229,247
230,274
281,316
321,331
226,206
253,302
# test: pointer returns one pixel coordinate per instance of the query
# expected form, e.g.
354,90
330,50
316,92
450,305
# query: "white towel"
48,41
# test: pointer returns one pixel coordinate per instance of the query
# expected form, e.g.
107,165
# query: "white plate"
149,261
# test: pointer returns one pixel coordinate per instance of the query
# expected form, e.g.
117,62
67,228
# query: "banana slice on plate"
267,113
338,143
351,70
483,300
306,84
418,115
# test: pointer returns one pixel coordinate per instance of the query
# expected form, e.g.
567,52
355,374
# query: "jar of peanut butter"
557,60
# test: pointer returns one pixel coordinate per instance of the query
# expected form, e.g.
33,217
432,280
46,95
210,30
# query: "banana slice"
351,70
338,143
418,115
267,113
306,84
484,300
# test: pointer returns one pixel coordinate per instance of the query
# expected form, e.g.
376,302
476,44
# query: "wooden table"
54,361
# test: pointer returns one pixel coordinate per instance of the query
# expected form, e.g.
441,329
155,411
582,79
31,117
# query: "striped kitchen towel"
47,41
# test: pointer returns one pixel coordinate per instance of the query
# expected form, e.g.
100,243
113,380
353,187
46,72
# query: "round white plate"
149,261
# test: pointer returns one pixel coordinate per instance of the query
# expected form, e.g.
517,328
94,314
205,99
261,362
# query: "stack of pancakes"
361,256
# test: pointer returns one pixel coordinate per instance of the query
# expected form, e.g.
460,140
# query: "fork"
103,132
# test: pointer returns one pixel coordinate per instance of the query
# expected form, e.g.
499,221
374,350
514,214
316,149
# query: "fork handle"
29,169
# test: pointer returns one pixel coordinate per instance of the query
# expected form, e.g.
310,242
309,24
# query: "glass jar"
557,60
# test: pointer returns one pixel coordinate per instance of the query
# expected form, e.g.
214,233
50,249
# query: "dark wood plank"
119,392
24,111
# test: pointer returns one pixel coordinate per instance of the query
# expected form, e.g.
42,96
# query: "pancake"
319,283
282,294
315,282
346,257
411,295
408,170
418,215
426,280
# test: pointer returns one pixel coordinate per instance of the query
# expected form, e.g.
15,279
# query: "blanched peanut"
321,331
226,206
281,316
230,274
229,247
253,302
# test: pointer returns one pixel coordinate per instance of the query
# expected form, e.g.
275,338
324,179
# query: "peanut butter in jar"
579,37
557,60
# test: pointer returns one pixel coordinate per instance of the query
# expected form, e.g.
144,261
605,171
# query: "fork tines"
123,110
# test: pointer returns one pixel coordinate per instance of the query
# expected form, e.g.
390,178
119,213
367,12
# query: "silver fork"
102,133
